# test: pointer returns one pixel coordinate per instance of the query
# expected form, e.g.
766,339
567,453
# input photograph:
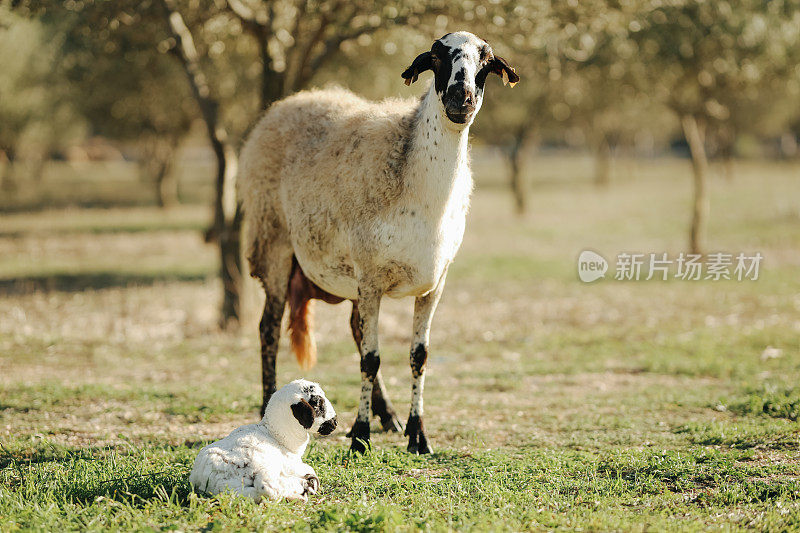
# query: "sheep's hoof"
360,436
417,441
421,447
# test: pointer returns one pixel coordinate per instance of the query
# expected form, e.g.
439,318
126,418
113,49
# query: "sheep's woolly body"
264,460
350,199
362,191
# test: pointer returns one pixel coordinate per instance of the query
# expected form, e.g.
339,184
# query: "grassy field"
550,403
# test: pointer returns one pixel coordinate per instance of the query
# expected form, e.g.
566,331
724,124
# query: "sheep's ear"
421,64
304,413
501,67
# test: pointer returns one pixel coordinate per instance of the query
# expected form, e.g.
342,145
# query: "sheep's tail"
301,322
302,293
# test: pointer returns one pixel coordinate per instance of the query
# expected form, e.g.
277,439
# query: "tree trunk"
271,81
38,164
7,182
695,138
518,185
226,230
166,184
155,167
727,149
788,145
602,167
231,271
727,166
518,188
164,179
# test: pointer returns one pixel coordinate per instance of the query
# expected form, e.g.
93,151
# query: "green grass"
771,401
146,486
551,404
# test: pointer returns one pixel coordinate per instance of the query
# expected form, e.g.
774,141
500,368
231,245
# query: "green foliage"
772,401
121,83
34,102
593,71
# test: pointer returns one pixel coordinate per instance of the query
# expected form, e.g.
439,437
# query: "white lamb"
265,460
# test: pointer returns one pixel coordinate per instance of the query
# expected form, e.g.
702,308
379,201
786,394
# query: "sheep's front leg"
369,301
424,307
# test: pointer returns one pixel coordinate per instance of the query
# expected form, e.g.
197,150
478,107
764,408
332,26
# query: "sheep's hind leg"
424,307
369,301
275,282
381,405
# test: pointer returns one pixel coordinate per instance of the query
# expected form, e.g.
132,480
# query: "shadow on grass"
45,203
49,454
109,230
91,280
170,485
84,475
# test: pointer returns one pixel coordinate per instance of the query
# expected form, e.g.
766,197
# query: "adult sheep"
346,199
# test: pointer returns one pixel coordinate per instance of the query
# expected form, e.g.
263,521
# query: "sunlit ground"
549,402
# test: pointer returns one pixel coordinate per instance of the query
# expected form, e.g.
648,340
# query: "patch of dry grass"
528,364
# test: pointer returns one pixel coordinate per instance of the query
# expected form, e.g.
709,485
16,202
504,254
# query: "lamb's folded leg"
288,486
306,472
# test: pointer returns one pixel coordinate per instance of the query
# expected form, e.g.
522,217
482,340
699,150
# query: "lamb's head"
303,402
461,63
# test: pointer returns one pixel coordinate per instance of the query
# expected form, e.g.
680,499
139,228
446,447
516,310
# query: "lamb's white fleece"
264,460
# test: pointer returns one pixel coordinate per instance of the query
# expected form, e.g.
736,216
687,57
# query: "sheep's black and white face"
461,63
311,408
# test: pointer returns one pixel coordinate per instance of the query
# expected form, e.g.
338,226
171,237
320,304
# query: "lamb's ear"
304,413
501,67
420,64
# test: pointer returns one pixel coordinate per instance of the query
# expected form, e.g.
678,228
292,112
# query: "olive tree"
707,61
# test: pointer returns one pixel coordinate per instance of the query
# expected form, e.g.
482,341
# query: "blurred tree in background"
36,112
137,95
601,75
709,61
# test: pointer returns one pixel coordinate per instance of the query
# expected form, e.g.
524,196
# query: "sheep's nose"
459,99
459,95
459,104
327,427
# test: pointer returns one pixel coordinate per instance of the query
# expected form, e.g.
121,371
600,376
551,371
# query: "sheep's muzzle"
328,426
